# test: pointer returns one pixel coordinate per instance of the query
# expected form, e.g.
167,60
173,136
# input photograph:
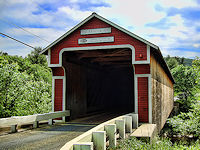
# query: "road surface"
51,137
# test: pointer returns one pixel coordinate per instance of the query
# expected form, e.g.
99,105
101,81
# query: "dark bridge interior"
99,81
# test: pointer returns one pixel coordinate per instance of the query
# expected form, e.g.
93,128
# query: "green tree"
196,66
36,58
3,53
25,88
185,85
172,62
9,88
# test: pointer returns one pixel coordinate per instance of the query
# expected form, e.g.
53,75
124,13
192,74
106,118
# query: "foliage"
186,123
185,85
25,87
174,61
196,66
157,144
171,62
35,58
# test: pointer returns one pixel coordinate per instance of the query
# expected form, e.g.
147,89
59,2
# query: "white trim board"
64,92
106,21
149,94
104,39
95,31
100,48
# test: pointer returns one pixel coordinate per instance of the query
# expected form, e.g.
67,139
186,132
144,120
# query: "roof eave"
105,20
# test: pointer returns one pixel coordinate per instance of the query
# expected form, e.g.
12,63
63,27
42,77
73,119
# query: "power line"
23,29
16,40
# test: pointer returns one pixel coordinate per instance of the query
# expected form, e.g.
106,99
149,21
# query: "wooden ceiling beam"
115,63
105,59
95,54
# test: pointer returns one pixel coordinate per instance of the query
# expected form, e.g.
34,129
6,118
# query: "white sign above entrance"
96,40
95,31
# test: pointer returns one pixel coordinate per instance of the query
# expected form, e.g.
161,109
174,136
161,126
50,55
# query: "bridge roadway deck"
51,137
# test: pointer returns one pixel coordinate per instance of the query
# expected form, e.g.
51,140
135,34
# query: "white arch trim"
136,76
64,92
99,48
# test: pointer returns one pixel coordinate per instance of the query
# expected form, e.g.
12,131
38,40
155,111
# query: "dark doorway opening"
99,81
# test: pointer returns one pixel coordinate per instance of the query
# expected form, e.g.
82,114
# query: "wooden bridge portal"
100,66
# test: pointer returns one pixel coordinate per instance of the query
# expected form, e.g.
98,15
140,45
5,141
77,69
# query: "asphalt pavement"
43,138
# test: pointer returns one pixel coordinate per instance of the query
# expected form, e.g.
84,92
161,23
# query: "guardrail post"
111,133
35,124
13,128
135,120
120,124
99,140
50,122
83,146
128,123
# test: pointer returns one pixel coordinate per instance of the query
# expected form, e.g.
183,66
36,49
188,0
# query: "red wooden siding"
119,38
58,95
143,99
142,69
58,71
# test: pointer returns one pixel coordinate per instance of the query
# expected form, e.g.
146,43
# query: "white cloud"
196,45
133,15
75,14
131,12
177,3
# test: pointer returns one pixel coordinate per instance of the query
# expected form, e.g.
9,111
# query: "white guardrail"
105,133
20,120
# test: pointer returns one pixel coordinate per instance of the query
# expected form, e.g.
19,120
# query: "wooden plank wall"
162,94
76,86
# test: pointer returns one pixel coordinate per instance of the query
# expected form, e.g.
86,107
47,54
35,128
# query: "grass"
156,144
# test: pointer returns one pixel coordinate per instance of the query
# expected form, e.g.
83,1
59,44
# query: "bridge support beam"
111,133
99,140
120,124
83,146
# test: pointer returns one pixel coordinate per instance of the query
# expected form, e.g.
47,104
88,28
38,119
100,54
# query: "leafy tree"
35,58
180,60
9,88
172,63
3,53
25,88
185,85
188,82
196,66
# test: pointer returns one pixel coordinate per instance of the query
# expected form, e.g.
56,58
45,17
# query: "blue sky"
173,25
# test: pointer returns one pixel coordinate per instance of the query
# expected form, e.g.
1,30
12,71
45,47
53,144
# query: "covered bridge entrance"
99,80
100,66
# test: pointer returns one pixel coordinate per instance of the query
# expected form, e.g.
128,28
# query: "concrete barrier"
98,135
20,120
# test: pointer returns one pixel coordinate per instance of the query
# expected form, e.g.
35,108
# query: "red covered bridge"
100,66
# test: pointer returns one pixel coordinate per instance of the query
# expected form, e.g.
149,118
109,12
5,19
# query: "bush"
25,88
157,144
186,123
